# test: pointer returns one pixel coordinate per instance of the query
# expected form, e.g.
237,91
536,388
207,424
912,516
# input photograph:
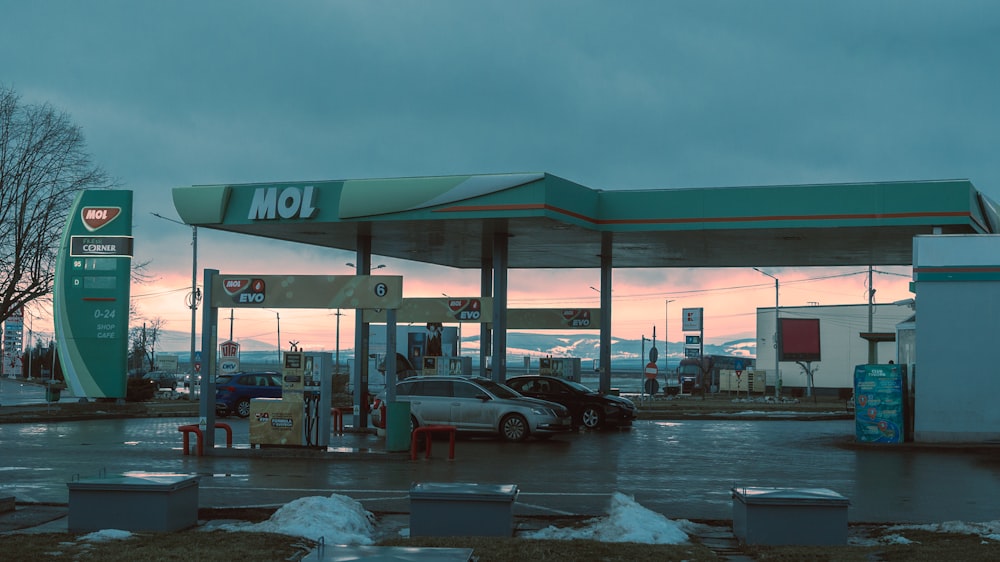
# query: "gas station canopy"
551,222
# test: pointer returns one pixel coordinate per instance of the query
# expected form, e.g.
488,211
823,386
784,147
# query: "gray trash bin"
789,516
164,502
459,510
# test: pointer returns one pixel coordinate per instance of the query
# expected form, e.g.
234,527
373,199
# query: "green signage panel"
91,293
443,310
307,291
554,318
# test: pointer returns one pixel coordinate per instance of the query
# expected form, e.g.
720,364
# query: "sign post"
229,357
651,385
91,293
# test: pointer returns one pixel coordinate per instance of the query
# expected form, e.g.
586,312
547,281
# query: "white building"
957,280
842,346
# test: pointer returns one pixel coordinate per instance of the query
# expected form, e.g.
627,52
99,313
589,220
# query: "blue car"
233,392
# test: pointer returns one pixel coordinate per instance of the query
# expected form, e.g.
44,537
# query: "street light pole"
666,333
195,297
337,368
608,352
777,374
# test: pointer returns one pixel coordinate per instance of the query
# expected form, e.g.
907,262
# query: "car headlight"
544,411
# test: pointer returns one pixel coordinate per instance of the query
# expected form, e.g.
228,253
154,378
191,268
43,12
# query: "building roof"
551,222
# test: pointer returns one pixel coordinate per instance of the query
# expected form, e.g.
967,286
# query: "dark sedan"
589,408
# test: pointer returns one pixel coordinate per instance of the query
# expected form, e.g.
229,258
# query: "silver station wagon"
479,405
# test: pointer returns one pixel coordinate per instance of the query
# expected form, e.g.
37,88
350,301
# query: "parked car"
478,405
590,409
163,379
233,392
138,389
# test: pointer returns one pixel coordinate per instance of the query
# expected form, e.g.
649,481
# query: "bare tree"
143,344
43,164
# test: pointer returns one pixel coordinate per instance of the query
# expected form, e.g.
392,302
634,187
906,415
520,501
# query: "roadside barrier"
337,417
428,432
187,430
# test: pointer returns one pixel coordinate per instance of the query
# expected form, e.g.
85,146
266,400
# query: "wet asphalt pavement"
682,469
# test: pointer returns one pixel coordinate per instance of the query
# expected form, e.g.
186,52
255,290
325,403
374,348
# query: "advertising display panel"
91,293
441,310
13,343
878,404
229,357
276,421
798,339
554,318
692,319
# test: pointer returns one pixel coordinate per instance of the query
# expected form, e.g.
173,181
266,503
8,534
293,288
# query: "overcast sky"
640,94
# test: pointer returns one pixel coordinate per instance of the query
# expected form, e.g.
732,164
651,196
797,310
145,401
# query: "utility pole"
195,296
872,343
666,332
336,369
777,363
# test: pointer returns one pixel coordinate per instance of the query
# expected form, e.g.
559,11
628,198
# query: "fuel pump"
305,383
299,417
311,399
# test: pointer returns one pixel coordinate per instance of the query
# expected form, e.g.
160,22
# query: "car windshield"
577,386
223,379
498,390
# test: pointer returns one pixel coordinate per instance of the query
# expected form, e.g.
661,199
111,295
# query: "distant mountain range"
519,344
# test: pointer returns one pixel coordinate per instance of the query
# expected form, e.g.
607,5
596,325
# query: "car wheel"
592,417
414,424
243,408
513,427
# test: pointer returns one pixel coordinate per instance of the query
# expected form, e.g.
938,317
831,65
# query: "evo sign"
270,203
307,291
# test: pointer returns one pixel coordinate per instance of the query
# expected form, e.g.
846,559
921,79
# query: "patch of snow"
105,535
336,520
988,530
627,521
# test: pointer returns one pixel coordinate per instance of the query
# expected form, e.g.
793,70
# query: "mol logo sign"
577,318
465,309
95,218
289,203
245,291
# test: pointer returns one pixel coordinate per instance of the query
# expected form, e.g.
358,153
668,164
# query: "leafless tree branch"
43,164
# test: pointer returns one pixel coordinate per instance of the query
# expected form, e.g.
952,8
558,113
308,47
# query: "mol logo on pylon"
94,218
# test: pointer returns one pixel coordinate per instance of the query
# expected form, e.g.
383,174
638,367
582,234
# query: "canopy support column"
359,378
606,267
499,364
486,290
